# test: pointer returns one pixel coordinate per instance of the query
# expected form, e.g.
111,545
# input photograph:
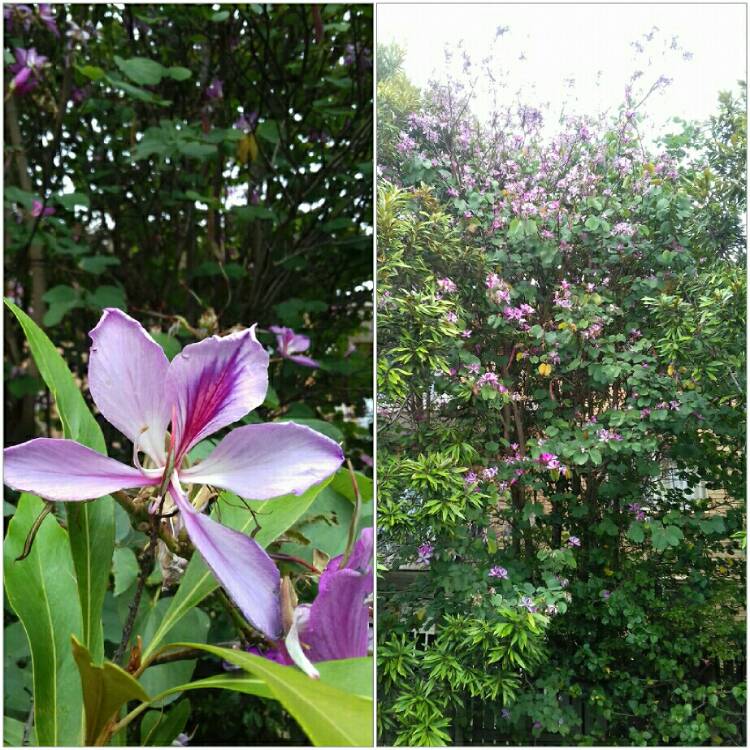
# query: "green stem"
355,517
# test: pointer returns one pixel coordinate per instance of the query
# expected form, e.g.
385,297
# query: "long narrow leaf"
329,716
42,591
91,526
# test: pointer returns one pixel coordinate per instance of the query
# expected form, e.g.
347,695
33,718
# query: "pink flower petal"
214,383
261,461
337,626
66,470
239,563
127,372
297,343
301,359
21,83
289,342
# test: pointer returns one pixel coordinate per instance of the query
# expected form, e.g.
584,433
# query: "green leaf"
193,624
272,398
324,526
107,296
251,213
16,195
13,732
135,92
91,72
219,16
515,231
178,73
105,690
70,201
196,150
61,299
159,729
592,223
635,532
664,536
57,312
712,525
240,683
276,516
141,70
61,293
125,568
171,345
342,483
329,716
42,591
353,676
17,675
268,130
91,526
98,263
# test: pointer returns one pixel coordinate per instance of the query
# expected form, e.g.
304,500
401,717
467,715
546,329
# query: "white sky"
577,41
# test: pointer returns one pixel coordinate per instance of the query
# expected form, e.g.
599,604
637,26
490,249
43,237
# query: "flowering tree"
542,432
187,537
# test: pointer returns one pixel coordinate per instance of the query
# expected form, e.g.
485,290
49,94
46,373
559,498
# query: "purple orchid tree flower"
17,11
26,70
207,387
289,345
336,625
47,17
246,122
38,209
215,89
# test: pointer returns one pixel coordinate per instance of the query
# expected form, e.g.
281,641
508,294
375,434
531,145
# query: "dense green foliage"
561,424
203,169
167,203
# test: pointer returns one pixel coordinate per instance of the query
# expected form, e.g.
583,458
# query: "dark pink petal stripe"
214,383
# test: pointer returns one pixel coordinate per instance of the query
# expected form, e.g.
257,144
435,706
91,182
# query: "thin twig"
292,558
134,605
147,560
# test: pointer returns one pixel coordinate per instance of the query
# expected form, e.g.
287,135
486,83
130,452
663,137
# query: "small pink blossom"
447,286
38,209
498,571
